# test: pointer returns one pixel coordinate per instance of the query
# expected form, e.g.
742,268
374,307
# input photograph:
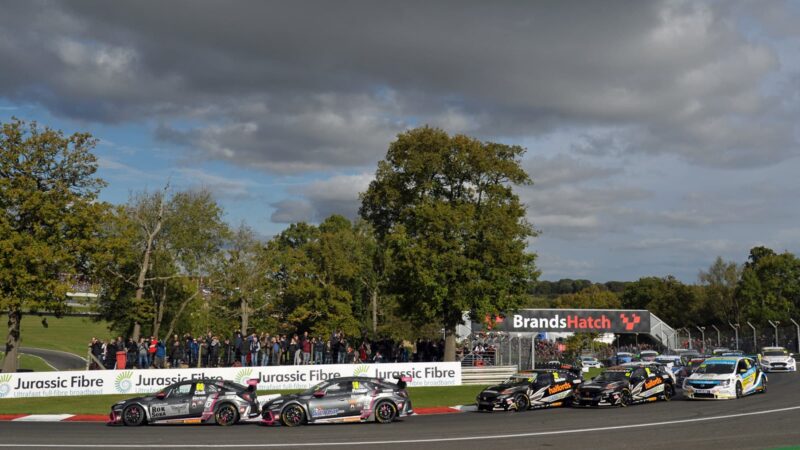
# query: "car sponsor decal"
559,388
158,411
649,384
322,412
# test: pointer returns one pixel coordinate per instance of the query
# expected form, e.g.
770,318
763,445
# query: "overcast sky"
659,134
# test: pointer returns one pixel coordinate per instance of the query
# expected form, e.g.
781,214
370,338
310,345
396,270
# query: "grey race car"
192,401
349,399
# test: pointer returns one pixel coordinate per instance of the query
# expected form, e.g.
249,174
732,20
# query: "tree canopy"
48,220
455,231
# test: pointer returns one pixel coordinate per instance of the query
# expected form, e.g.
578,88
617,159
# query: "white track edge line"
412,441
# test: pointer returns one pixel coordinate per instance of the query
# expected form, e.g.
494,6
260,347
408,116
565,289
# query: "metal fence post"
736,333
775,326
719,340
533,351
798,334
755,341
703,337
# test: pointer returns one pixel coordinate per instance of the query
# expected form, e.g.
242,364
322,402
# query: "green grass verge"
101,404
31,362
67,334
592,373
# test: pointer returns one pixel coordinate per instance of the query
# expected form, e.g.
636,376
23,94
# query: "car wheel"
522,402
293,415
133,415
385,412
739,392
763,384
669,392
625,398
226,414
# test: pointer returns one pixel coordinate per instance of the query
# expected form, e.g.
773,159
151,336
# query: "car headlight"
725,383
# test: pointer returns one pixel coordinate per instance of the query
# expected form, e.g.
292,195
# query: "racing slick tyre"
226,414
763,384
669,392
522,402
739,393
293,415
385,412
133,415
625,398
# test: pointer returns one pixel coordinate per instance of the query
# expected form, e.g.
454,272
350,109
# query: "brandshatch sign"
573,320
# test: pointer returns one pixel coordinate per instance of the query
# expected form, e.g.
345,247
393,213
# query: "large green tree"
445,210
719,283
319,272
162,249
769,288
672,301
48,217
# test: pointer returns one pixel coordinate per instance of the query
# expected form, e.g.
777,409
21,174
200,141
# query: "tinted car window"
181,390
343,387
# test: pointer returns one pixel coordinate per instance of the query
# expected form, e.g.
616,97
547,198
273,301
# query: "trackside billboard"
100,382
574,320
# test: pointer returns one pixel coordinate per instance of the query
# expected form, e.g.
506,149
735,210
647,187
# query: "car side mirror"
161,395
319,394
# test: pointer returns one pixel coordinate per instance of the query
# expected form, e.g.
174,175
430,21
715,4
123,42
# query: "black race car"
623,386
540,388
192,401
349,399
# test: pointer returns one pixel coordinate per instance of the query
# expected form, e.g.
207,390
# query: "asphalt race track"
56,359
770,420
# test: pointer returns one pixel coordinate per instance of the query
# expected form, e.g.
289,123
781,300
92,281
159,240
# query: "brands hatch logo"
123,383
360,370
5,387
243,375
630,323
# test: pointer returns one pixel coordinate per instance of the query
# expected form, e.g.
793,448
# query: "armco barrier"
99,382
486,374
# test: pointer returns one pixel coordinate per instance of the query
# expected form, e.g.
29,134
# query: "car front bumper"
715,393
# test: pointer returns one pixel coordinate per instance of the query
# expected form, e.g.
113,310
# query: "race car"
534,389
777,359
192,401
590,362
655,367
648,355
623,386
725,378
348,399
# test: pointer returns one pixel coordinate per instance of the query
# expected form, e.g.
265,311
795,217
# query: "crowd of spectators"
255,349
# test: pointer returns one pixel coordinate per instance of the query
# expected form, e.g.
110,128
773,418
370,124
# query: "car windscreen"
315,388
522,379
776,353
715,368
612,376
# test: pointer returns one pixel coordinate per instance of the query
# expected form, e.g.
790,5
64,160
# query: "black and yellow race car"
535,389
627,385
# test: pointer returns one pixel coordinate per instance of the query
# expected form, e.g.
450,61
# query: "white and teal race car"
725,378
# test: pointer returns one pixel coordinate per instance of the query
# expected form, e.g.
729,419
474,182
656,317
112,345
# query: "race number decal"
158,411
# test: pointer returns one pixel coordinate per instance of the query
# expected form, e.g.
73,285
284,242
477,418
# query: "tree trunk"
137,327
178,314
160,313
12,341
375,313
450,345
245,315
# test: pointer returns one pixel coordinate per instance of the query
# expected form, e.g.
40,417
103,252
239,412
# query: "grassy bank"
67,334
101,404
30,362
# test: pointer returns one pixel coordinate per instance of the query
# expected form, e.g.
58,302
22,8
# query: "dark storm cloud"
295,86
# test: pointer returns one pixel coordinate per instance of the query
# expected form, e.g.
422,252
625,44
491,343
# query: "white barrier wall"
98,382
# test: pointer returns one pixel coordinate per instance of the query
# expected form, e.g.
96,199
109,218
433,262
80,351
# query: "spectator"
175,353
143,351
253,346
161,354
307,345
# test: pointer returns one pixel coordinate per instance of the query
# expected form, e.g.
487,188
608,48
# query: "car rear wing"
403,380
252,384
